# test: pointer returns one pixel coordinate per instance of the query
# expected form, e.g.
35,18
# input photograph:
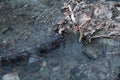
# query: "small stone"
91,51
4,42
56,68
102,0
33,59
12,76
42,69
30,33
3,30
44,64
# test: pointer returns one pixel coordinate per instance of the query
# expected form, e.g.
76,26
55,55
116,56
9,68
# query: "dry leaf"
93,31
77,19
101,25
75,29
81,34
116,32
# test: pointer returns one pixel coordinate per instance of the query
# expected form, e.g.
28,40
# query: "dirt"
26,23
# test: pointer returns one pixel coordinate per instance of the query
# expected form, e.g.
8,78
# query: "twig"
104,36
101,36
81,29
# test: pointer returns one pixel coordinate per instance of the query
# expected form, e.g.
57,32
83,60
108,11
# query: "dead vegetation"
91,20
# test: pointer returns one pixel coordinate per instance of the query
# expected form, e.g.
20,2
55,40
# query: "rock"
102,47
56,68
74,71
33,59
44,64
8,60
12,76
75,74
91,51
6,29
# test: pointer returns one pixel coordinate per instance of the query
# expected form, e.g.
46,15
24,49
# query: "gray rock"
91,51
12,76
56,68
33,59
101,47
44,63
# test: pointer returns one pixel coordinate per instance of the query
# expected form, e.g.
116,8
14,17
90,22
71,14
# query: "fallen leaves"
90,20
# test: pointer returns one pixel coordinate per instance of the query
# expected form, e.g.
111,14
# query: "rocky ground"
26,23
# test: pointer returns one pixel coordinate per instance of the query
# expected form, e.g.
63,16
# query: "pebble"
42,69
44,64
12,76
90,53
56,68
33,59
95,49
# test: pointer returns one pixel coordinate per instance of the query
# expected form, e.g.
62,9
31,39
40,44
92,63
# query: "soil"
26,23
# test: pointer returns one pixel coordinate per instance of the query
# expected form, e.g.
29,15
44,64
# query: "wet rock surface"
13,76
29,23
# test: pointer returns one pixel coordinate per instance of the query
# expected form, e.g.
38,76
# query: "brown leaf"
75,28
81,29
81,34
101,25
93,31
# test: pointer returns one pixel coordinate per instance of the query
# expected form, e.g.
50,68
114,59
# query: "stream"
27,23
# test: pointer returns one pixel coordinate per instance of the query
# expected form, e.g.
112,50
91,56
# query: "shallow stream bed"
26,23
